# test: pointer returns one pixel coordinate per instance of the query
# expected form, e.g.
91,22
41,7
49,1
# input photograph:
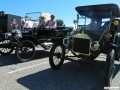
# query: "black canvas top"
99,11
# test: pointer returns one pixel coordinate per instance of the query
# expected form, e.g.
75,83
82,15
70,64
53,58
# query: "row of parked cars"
82,43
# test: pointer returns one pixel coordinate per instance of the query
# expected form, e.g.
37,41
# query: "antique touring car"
88,41
23,41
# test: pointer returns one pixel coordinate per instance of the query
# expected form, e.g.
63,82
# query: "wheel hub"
58,55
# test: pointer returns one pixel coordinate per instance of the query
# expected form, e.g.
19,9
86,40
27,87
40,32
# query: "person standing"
22,23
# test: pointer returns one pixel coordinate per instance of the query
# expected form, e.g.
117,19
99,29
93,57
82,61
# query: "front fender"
117,39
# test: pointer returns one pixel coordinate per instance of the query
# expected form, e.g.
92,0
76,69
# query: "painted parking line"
112,88
21,69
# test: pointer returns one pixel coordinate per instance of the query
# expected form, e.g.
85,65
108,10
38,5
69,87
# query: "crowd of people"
95,23
43,23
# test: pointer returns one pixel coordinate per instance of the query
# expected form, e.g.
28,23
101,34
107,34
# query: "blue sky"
62,9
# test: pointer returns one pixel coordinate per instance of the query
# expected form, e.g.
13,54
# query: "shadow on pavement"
12,59
41,54
72,76
8,60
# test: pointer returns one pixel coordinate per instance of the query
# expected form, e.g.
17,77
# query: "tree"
59,22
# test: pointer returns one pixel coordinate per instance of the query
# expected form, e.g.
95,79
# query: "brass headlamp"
116,22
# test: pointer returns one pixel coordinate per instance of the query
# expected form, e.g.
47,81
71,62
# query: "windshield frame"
84,21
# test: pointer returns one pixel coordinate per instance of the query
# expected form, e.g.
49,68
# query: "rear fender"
57,40
34,40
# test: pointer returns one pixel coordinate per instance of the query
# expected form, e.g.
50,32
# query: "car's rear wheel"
109,67
25,51
6,47
57,56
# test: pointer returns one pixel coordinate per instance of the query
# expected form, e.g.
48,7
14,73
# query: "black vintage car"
23,41
89,41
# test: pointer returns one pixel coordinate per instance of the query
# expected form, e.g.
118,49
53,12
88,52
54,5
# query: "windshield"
32,19
95,22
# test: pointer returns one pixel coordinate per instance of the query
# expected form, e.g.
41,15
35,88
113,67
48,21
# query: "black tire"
93,56
25,51
109,67
6,47
119,53
55,53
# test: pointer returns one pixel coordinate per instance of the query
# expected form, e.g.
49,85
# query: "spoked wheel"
57,56
25,51
109,67
6,47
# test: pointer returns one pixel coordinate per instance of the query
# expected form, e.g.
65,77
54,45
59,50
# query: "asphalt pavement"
38,75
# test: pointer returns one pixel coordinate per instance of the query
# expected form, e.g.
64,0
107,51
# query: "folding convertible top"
99,11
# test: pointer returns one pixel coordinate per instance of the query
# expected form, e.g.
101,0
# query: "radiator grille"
81,46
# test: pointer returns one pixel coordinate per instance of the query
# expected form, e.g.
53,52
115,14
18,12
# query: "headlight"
95,45
116,22
65,41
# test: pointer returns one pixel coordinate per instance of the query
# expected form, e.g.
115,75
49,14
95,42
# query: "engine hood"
93,35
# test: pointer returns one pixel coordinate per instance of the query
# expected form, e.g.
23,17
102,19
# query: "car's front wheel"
109,67
57,55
